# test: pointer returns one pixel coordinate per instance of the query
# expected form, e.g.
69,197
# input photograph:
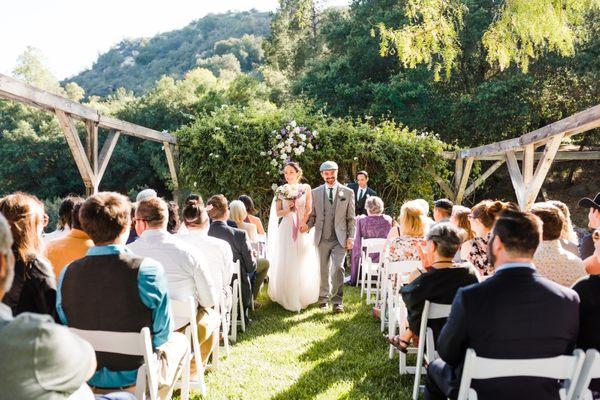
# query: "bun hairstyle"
296,167
194,213
488,210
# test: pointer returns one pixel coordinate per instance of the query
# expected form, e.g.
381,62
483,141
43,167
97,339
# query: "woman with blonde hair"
34,285
410,233
460,219
568,237
238,214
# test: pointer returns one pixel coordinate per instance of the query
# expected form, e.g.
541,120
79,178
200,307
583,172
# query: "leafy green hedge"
226,152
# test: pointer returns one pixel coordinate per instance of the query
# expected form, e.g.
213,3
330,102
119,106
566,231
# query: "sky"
72,33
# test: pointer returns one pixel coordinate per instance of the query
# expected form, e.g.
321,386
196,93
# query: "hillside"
136,64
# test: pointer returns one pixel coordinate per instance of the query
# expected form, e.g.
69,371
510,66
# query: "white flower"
283,156
274,162
293,123
355,158
210,155
268,173
274,131
278,137
301,148
280,145
262,153
297,151
309,146
288,128
289,140
315,133
274,187
296,130
195,184
235,127
288,148
216,156
341,194
302,137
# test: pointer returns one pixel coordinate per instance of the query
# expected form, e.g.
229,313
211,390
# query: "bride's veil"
273,243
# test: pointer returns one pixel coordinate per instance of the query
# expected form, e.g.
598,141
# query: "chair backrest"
431,311
129,343
373,245
560,367
184,311
402,267
589,371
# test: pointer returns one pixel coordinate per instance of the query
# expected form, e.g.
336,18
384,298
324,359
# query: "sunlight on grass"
311,355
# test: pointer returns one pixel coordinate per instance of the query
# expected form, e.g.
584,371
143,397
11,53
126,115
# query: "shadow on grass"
353,357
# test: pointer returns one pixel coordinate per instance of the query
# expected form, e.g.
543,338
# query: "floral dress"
404,248
478,255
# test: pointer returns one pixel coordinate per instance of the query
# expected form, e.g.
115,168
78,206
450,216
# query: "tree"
220,64
247,49
30,69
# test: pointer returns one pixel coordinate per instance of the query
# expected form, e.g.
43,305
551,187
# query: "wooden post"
107,150
528,164
171,162
483,177
464,179
445,187
77,150
542,169
516,178
458,170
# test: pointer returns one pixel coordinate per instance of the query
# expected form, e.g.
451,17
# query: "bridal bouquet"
289,192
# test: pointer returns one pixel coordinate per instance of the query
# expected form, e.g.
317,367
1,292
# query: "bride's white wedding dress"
294,277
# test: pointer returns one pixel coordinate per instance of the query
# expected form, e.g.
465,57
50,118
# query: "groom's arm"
312,217
350,220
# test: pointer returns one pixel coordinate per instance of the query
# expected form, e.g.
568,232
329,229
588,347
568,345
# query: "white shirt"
335,190
186,267
217,253
56,234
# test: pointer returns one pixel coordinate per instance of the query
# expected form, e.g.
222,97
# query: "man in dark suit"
515,314
361,192
218,211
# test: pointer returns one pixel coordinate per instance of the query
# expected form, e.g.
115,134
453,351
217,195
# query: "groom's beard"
330,181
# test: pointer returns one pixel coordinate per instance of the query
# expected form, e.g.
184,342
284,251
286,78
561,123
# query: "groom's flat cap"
328,166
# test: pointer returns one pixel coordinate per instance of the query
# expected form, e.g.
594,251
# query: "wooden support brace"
458,170
464,179
445,187
106,152
81,160
483,177
542,170
171,162
516,178
528,157
91,129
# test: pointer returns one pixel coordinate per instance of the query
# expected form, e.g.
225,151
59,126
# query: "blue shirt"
152,286
515,265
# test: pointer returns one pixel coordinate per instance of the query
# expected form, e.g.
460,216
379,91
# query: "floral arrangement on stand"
291,141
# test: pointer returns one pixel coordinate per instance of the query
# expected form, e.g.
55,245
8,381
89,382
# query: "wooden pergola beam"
464,179
561,155
483,177
106,152
13,89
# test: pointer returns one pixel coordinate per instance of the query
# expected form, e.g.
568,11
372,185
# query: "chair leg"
233,314
185,376
402,363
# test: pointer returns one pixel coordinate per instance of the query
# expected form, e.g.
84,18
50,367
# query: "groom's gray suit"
334,224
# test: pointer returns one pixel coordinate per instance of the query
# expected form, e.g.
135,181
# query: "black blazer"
516,313
241,251
588,289
360,204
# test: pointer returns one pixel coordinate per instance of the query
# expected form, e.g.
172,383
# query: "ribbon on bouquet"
295,225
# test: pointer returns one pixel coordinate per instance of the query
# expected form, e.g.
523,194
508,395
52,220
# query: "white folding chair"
238,303
225,316
369,268
184,313
262,246
426,350
394,274
136,344
589,371
560,367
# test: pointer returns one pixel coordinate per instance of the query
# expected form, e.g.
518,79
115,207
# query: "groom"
333,218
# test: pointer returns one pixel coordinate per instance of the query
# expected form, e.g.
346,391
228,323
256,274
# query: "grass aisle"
311,355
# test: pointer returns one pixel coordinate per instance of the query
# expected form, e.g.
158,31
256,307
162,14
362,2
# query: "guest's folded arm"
452,342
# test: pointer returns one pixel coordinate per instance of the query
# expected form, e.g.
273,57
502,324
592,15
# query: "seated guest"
442,210
145,195
588,289
173,224
239,215
482,219
216,251
460,219
132,233
63,225
551,260
110,289
410,234
187,270
237,239
252,219
586,246
374,225
71,247
40,359
34,286
438,285
514,314
568,237
592,263
362,192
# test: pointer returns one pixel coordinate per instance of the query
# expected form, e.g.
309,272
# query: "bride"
294,278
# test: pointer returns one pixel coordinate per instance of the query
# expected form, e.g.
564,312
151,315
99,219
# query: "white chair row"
237,305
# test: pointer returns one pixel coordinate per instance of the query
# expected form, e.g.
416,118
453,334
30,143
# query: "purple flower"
294,142
283,132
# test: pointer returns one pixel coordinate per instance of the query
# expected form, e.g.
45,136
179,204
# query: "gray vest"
329,222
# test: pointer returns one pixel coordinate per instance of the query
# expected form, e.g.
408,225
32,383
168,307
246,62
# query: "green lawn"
311,355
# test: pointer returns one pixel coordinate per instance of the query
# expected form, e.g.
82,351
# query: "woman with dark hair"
173,224
34,285
252,219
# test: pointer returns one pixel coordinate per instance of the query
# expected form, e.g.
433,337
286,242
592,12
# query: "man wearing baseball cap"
586,246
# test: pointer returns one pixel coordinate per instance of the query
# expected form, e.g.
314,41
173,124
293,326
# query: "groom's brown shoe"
338,308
